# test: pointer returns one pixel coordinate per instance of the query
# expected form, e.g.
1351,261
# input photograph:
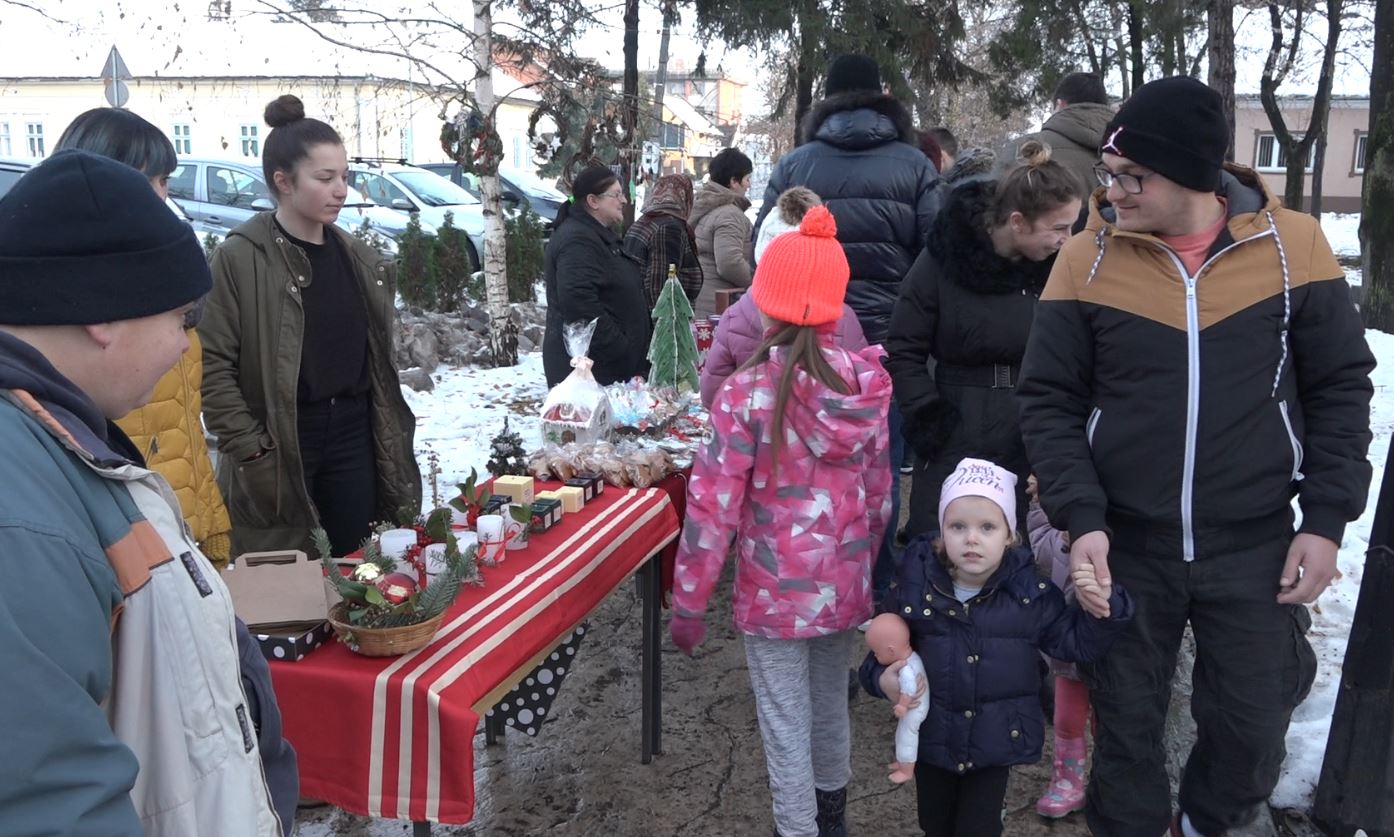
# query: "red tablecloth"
393,737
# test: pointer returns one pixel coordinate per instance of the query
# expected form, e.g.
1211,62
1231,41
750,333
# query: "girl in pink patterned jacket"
797,477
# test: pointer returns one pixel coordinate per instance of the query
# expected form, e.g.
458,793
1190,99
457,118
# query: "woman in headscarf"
662,238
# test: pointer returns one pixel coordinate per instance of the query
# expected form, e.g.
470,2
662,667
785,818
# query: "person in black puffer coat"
860,155
589,276
967,306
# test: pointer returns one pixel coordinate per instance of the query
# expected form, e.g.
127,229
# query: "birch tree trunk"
503,332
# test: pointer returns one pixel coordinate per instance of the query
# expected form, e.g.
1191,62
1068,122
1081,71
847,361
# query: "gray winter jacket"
126,713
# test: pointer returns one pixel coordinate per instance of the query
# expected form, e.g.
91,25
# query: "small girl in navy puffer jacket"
979,616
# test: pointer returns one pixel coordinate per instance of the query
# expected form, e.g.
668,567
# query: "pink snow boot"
1066,792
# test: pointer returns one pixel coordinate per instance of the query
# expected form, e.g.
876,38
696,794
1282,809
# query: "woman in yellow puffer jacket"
168,431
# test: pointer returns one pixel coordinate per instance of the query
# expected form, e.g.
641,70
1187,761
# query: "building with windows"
1347,132
221,116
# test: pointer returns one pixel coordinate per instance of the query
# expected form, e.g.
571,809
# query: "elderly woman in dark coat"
589,276
662,238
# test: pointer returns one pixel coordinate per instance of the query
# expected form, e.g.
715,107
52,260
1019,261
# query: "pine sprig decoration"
673,349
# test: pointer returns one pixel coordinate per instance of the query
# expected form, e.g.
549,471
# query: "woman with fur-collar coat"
959,328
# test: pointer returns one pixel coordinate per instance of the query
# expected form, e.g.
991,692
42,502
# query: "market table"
393,737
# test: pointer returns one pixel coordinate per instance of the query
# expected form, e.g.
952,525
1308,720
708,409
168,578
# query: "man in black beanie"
123,693
1194,364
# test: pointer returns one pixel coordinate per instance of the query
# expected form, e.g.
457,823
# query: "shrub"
416,266
524,235
454,266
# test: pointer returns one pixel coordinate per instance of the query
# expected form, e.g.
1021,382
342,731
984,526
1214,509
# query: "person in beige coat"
723,231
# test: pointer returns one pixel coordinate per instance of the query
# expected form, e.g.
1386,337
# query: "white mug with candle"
395,542
433,555
490,529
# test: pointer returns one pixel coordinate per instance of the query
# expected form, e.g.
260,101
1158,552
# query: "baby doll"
888,638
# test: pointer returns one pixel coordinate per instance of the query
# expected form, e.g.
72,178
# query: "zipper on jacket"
1090,426
1292,440
1188,467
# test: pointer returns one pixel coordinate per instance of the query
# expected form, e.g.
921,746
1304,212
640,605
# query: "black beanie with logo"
85,239
1175,127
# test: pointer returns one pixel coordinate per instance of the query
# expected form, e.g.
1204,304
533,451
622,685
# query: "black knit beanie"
849,73
1175,127
84,239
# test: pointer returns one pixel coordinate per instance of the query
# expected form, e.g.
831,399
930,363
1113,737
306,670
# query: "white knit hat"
980,478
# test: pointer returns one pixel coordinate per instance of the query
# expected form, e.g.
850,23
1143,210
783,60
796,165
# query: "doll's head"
888,637
977,515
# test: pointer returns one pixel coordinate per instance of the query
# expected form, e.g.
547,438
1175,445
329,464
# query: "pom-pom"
818,222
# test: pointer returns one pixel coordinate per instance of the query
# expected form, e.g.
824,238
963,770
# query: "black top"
334,348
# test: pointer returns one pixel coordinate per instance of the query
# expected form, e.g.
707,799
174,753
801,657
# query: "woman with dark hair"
662,238
967,305
168,431
723,231
299,384
589,276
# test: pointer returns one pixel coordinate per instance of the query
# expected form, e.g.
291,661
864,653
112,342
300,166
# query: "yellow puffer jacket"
169,433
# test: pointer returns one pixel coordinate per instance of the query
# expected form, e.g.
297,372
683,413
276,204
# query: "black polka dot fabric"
527,705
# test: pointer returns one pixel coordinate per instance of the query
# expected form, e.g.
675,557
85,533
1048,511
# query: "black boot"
832,812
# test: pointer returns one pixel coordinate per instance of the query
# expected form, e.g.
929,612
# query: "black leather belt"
993,376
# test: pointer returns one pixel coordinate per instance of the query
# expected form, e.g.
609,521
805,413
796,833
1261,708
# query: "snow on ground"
468,406
1332,615
1343,232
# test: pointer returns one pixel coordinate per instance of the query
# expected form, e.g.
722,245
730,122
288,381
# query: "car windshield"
434,190
533,185
357,198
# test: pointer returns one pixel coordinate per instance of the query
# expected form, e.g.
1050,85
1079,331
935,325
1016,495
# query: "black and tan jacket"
1181,409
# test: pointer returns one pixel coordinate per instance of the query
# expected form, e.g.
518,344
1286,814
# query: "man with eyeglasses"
1195,363
123,694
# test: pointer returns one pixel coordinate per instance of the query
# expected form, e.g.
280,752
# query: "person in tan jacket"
168,431
722,229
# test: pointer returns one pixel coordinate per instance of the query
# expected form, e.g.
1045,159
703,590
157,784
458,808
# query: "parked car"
221,194
519,189
12,170
10,173
413,190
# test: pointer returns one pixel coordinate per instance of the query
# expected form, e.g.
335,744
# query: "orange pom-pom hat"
802,278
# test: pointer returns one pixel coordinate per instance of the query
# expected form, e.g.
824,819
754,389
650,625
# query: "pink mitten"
688,633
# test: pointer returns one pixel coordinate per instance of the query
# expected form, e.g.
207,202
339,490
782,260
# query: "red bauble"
396,587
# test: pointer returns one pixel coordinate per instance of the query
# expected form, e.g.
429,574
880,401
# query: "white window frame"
6,145
1362,148
251,143
1275,160
183,138
34,137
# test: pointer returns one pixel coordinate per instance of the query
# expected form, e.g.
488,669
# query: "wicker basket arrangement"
384,612
383,642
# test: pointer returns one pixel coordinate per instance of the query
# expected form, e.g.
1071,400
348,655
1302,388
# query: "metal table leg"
651,725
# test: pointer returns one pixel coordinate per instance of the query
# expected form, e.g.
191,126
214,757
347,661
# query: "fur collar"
870,131
960,244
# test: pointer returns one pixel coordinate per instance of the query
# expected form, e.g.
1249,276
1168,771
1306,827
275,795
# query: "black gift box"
597,484
546,513
291,641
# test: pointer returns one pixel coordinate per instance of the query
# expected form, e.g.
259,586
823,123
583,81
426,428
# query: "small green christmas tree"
673,350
